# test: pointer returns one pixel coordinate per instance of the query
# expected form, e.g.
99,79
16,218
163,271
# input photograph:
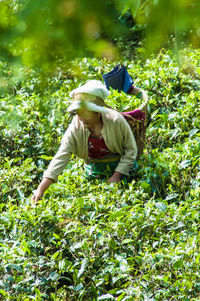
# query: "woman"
97,134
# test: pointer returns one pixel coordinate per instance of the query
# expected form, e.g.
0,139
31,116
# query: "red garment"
97,148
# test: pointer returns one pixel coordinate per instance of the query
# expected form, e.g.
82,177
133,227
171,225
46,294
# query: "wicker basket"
139,127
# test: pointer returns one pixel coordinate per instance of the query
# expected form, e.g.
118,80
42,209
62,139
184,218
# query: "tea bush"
87,240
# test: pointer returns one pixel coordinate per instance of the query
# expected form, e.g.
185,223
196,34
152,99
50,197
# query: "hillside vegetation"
87,240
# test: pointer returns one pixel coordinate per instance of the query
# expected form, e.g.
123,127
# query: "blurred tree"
40,32
163,20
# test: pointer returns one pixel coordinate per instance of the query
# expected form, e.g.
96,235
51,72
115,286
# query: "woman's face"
89,118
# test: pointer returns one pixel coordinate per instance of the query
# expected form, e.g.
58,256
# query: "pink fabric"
137,114
130,90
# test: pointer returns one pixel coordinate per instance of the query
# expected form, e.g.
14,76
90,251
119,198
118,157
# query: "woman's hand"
116,177
37,194
41,189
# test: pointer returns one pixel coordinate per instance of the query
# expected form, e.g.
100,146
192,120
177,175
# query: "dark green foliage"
90,240
38,33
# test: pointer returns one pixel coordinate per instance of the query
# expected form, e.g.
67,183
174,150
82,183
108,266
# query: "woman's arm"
50,175
41,189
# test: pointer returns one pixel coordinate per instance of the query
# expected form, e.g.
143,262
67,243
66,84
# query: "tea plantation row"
87,240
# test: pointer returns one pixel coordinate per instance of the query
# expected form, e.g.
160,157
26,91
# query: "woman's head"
90,97
89,118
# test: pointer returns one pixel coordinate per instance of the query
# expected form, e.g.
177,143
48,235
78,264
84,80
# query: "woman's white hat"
82,97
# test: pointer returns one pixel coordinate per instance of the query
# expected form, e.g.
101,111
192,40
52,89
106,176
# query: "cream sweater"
116,133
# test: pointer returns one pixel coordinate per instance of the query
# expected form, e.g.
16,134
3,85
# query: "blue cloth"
118,79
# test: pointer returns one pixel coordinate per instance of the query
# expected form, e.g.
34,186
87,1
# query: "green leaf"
105,297
185,164
55,255
54,276
171,196
3,293
178,264
78,287
161,206
61,264
197,286
117,214
146,187
127,241
82,269
193,132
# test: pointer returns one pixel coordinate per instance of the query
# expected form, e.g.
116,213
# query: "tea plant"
87,240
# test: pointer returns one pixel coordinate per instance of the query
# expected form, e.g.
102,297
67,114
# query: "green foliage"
40,33
172,23
87,240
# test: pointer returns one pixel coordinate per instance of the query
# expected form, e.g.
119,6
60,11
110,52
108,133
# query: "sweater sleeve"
62,157
129,148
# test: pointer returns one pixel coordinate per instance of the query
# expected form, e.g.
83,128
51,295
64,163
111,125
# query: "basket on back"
139,125
120,80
